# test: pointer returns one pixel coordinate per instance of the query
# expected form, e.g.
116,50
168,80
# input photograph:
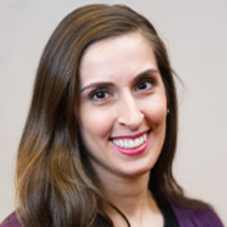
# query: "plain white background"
196,37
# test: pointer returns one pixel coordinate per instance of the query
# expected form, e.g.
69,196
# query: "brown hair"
55,184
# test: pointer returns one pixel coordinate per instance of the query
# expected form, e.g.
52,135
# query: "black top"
170,219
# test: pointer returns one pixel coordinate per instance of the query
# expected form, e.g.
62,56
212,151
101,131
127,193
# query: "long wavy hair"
56,186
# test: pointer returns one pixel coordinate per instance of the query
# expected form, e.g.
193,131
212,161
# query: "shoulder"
205,217
11,221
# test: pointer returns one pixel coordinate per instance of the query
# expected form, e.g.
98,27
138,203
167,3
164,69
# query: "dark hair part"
55,185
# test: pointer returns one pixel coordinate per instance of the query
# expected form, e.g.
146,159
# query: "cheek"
95,122
156,111
159,114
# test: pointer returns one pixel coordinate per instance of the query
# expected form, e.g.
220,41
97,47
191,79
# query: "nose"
129,113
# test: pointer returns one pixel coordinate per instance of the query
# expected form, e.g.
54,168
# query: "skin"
123,95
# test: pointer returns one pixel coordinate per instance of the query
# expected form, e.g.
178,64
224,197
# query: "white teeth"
126,144
138,142
131,143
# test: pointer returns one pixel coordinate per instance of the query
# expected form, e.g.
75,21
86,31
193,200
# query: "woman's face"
123,106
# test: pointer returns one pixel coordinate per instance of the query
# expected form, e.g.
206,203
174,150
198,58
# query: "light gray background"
196,36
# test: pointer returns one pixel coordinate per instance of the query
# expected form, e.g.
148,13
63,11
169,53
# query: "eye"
99,95
146,84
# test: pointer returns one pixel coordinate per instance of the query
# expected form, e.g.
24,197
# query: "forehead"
129,54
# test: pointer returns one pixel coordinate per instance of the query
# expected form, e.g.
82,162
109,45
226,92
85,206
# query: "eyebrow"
109,84
146,73
98,84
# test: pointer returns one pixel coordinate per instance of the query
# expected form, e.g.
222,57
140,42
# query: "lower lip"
135,151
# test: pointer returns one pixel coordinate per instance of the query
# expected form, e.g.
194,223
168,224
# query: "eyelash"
94,94
150,81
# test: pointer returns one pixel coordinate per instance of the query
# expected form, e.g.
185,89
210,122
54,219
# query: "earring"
168,111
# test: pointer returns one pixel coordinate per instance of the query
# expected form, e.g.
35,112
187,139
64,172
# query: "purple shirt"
193,218
185,217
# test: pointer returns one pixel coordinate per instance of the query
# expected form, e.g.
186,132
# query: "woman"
100,138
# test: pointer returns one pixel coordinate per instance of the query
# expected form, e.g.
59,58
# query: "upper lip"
130,136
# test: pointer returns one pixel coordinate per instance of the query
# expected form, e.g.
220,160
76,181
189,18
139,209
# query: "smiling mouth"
131,143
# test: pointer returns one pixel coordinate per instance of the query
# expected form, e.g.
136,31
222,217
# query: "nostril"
131,120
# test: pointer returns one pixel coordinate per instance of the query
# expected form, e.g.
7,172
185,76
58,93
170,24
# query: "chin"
136,172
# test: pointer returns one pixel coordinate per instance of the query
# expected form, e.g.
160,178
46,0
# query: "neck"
127,194
132,197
